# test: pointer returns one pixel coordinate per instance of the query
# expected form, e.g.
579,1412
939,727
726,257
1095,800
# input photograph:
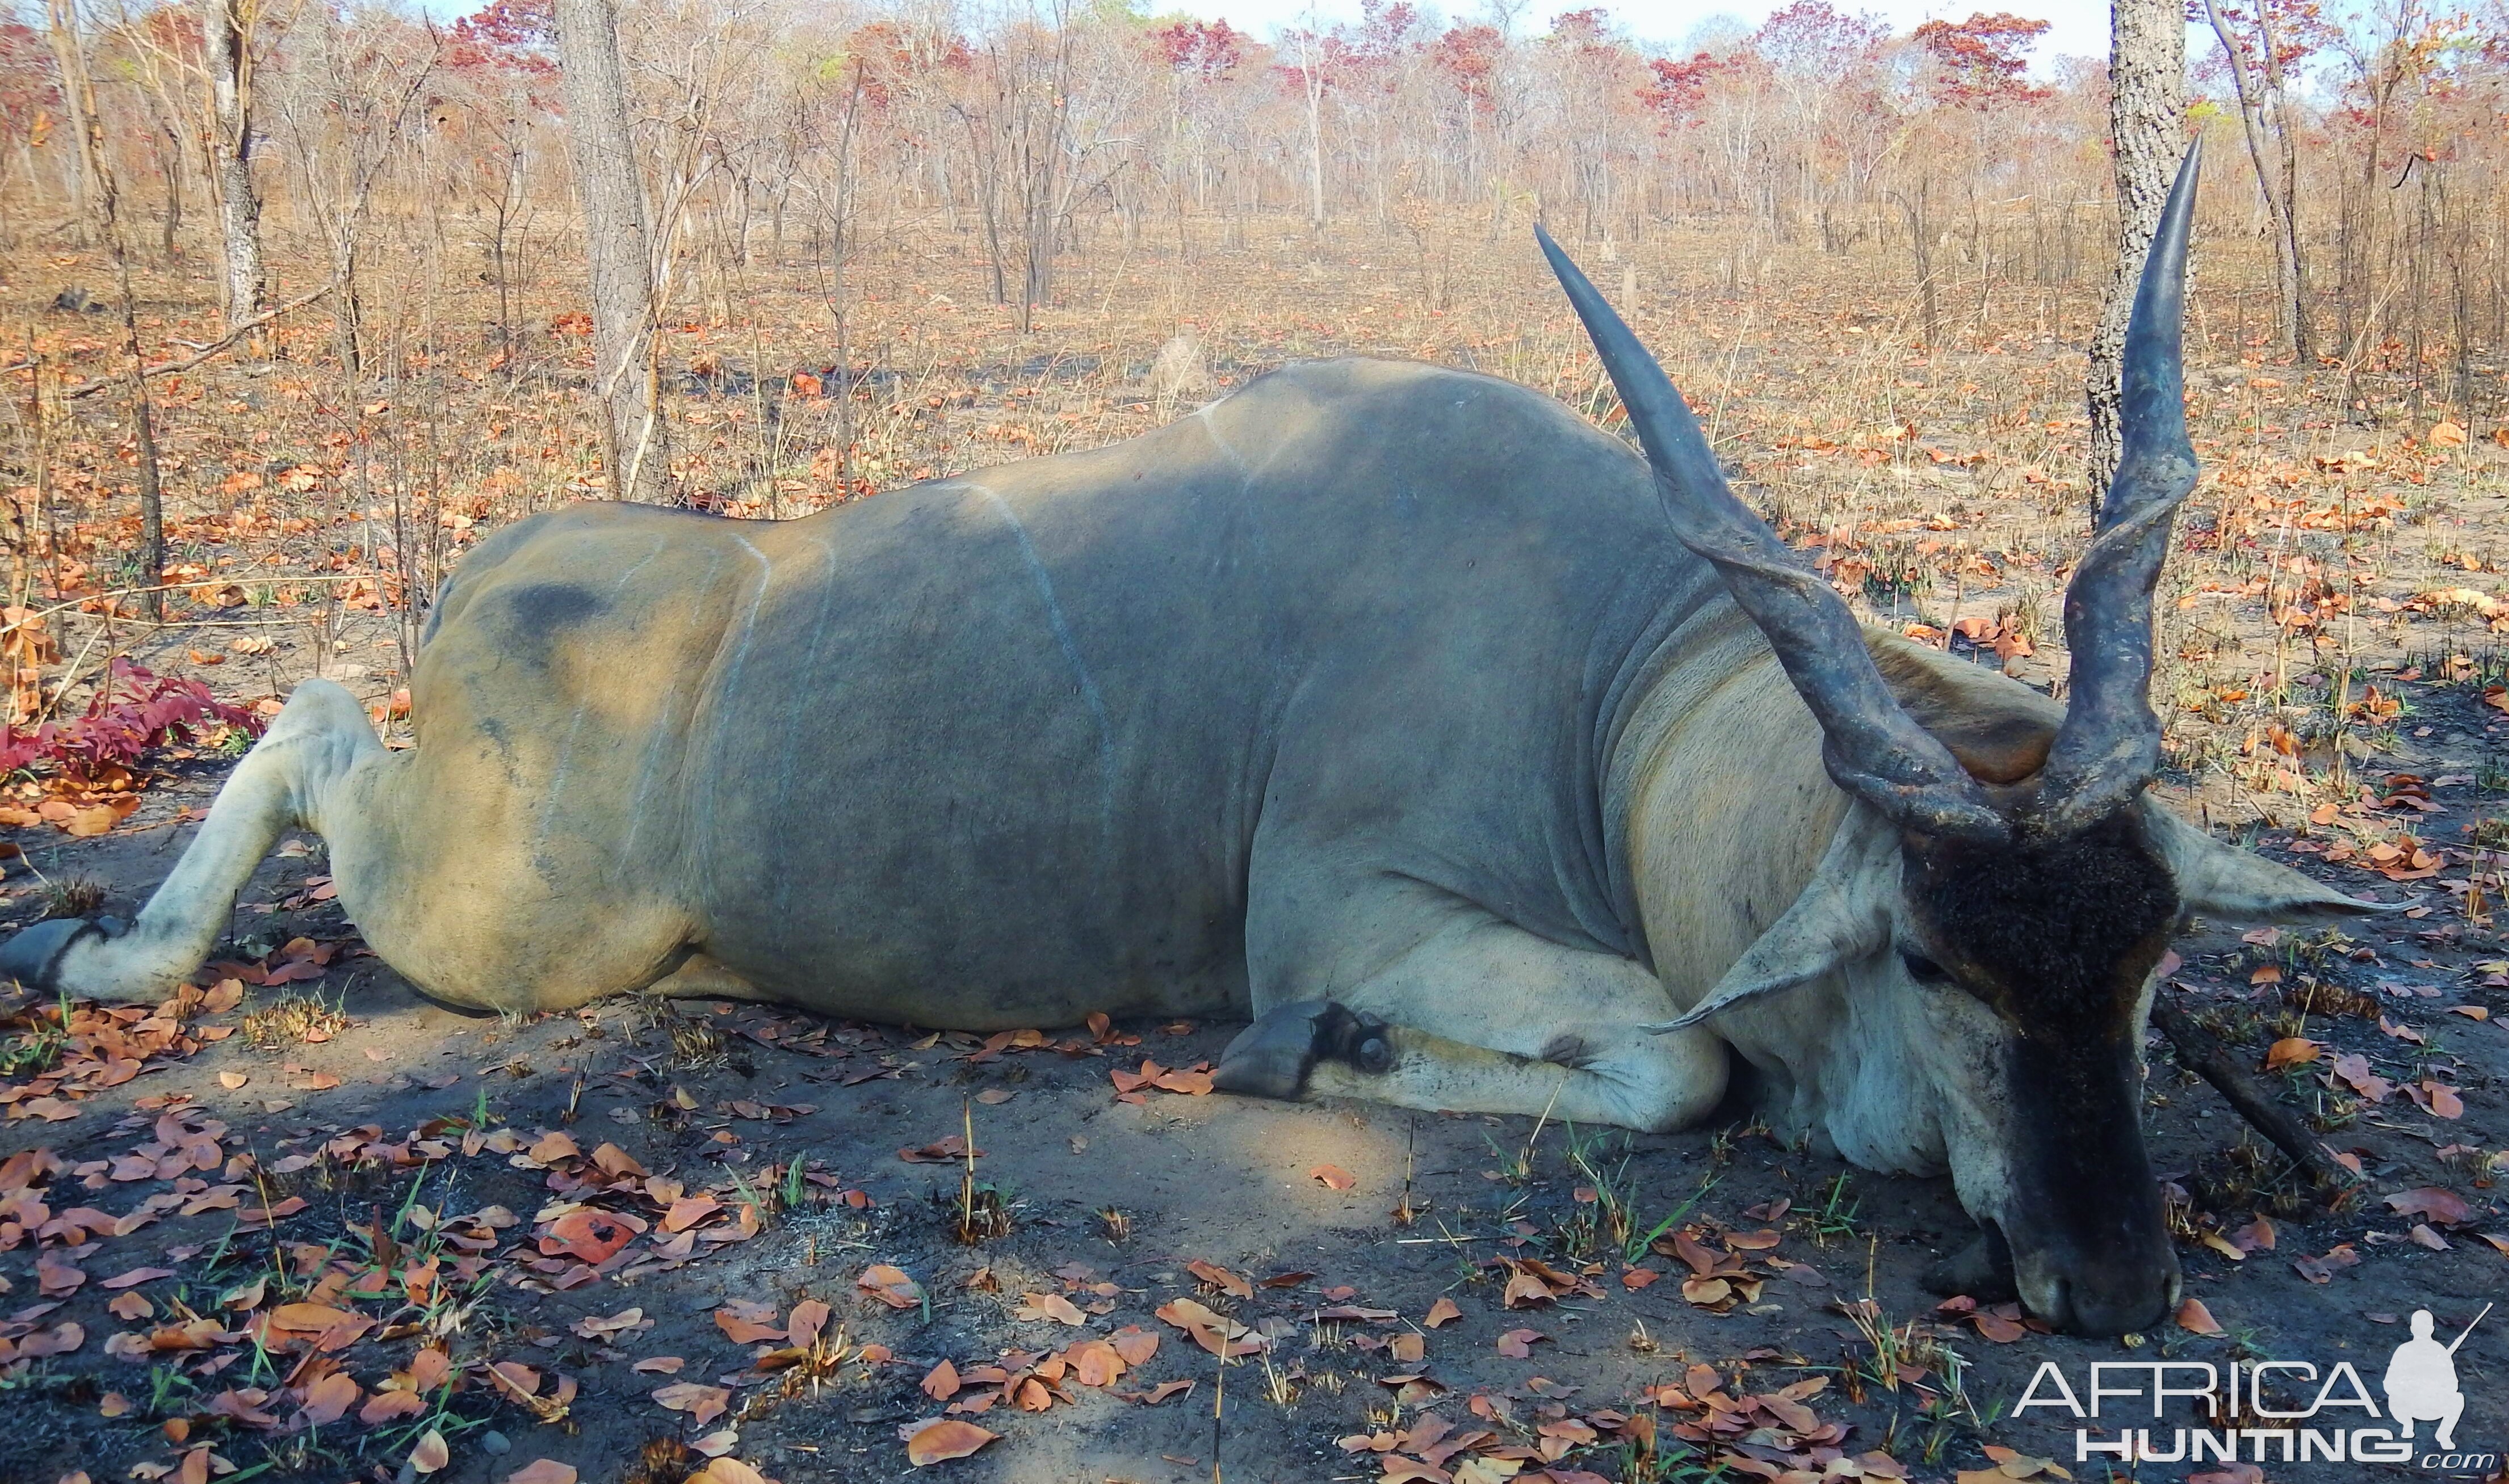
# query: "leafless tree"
227,38
636,444
2273,148
2147,113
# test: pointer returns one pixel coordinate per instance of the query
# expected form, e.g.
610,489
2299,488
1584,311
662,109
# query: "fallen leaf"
742,1331
430,1453
330,1400
543,1471
590,1236
2195,1319
2291,1050
1034,1307
890,1286
808,1318
1220,1278
703,1403
1095,1364
2322,1270
943,1438
1333,1175
392,1406
1518,1344
941,1383
1443,1312
2434,1202
597,1327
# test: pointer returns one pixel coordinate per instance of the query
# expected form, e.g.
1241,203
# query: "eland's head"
2007,917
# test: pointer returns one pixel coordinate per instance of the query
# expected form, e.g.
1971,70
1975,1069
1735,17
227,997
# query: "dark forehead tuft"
2060,916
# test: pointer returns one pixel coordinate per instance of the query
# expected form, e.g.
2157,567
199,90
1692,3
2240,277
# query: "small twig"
173,367
2208,1059
67,604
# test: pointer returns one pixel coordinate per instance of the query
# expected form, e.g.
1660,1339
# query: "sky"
2079,27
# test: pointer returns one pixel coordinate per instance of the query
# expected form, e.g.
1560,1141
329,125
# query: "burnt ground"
1739,1323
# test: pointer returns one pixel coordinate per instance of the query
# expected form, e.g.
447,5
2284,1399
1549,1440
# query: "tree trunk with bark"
60,33
2147,120
225,35
2276,180
627,377
78,87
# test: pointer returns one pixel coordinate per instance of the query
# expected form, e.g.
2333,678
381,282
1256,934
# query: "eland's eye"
1924,970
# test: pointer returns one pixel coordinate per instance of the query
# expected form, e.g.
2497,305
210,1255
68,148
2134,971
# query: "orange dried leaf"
943,1438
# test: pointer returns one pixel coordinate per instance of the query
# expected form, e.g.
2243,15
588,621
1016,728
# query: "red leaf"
2433,1203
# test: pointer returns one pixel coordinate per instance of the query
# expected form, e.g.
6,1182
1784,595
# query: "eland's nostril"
2060,1303
2127,1308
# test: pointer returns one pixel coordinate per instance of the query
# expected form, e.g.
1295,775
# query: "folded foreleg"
1485,1017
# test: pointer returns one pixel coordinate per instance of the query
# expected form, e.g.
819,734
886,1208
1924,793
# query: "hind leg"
311,756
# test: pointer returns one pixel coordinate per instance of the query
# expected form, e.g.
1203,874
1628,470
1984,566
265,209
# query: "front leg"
1593,1076
1478,1016
1275,1057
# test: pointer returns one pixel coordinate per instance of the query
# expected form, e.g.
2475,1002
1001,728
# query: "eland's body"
1381,703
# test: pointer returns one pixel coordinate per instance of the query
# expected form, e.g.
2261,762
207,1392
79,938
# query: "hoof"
1982,1269
1272,1058
33,957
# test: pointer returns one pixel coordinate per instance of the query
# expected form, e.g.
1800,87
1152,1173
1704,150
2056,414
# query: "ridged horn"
2108,745
1872,747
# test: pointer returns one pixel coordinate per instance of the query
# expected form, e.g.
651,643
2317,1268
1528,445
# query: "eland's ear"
1843,914
2228,883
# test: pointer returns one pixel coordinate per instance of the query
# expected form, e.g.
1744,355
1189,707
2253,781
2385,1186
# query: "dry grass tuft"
74,897
292,1020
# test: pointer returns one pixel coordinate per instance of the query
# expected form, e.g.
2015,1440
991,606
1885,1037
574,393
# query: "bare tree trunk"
1921,242
61,34
2290,308
635,440
78,85
2146,120
1311,74
2286,127
226,31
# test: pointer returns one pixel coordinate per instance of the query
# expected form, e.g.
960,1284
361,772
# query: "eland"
1487,766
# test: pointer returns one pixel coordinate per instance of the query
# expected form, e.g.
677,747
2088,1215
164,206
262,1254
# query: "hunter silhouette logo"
2268,1411
2422,1380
